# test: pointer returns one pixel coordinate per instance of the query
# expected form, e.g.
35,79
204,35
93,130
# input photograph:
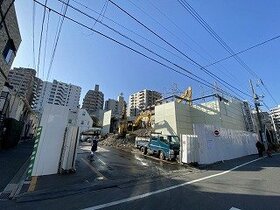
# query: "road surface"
245,183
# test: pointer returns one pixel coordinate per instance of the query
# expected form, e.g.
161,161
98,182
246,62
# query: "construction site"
214,122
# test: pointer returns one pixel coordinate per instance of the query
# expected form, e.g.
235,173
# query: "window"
9,50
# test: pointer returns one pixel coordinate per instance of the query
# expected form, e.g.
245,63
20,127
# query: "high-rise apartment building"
23,81
10,38
141,100
275,114
58,93
111,104
116,106
93,100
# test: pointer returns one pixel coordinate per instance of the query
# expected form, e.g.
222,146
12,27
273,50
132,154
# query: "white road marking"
137,197
233,208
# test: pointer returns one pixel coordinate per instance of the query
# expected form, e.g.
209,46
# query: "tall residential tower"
93,100
141,100
58,93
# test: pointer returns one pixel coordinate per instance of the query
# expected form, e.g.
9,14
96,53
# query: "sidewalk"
11,161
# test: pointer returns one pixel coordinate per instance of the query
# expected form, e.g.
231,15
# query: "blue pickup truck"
163,146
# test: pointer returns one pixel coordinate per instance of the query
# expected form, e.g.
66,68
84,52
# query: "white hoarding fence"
211,144
189,148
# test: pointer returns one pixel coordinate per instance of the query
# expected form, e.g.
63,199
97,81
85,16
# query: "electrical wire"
41,37
33,33
46,44
245,50
137,43
208,28
101,14
126,46
56,39
171,45
142,37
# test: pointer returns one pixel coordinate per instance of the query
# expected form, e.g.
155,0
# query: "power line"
102,12
226,72
245,50
124,45
113,21
269,93
40,42
33,33
56,39
135,42
165,59
169,31
209,29
46,44
171,45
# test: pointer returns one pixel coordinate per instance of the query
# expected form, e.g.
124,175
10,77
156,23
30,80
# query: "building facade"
116,106
10,38
93,101
58,93
23,81
275,114
112,104
141,100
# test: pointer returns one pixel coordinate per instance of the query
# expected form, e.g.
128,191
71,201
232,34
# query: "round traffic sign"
216,132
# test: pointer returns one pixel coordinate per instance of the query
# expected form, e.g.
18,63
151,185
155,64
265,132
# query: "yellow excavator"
187,95
140,117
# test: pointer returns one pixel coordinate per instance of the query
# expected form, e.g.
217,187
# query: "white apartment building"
141,100
275,114
58,93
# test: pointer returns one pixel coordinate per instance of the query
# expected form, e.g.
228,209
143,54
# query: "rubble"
127,143
113,140
143,132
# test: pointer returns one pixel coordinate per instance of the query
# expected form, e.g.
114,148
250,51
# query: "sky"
85,58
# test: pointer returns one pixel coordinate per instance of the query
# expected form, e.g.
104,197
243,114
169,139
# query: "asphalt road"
109,164
255,185
115,164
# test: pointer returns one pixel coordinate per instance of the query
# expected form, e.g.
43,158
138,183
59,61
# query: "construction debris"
113,140
126,143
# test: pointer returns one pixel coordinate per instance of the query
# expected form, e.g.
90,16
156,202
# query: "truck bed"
141,141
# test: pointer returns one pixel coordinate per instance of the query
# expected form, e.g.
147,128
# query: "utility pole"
257,104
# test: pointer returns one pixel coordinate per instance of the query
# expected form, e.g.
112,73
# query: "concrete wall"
178,118
219,113
106,122
165,118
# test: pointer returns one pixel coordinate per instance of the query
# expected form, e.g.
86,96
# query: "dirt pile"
127,143
143,132
113,140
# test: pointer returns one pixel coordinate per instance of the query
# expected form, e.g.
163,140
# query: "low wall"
206,147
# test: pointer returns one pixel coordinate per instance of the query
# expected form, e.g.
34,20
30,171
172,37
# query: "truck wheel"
144,150
161,155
